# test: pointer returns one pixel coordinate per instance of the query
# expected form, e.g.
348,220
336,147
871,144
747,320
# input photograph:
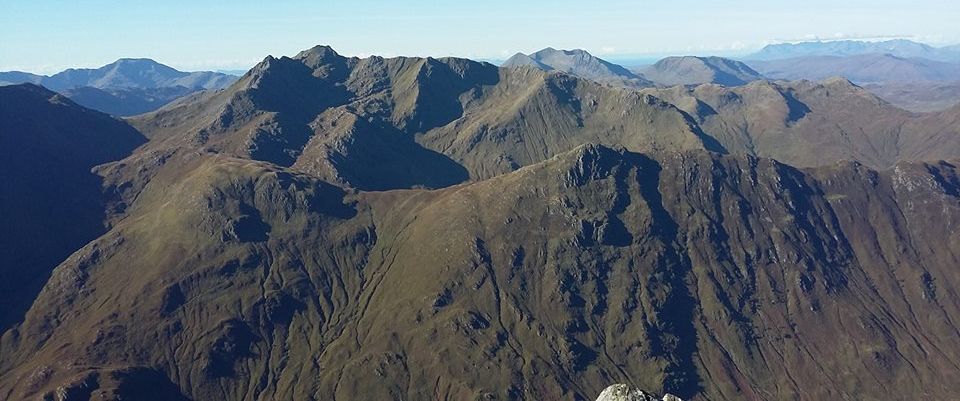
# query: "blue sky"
46,36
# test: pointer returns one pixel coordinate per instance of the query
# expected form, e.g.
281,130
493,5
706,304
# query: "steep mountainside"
579,63
816,123
690,70
50,202
898,47
867,68
706,276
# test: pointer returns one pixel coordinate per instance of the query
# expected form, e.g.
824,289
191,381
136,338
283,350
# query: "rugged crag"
623,392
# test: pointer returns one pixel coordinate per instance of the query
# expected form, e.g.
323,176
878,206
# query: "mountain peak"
576,62
136,61
319,56
318,51
692,70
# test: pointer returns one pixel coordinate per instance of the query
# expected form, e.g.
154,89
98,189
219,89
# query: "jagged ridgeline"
352,229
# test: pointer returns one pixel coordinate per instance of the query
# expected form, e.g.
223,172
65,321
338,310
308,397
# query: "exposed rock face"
623,392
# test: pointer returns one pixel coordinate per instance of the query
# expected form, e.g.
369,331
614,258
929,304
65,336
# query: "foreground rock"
623,392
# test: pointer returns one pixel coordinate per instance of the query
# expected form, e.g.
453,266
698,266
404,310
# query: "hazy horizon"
47,36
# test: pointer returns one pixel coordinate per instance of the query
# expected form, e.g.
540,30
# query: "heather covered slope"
50,201
706,276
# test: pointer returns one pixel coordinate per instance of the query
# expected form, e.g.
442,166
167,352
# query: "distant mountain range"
911,75
124,87
899,47
861,68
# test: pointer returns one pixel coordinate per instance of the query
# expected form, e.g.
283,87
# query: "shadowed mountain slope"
125,101
706,276
51,202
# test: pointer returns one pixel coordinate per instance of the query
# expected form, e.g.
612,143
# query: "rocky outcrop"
623,392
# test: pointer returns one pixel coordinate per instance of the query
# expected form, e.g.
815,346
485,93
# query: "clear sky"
46,36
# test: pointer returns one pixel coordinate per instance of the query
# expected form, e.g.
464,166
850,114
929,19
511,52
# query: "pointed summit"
318,53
